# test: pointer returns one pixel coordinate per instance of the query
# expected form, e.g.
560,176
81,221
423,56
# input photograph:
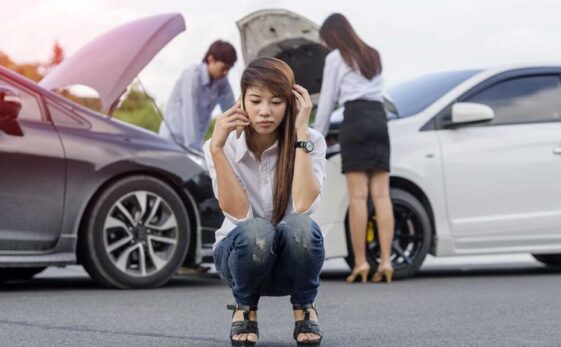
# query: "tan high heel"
362,272
382,273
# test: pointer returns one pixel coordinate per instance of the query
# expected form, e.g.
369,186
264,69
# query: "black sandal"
306,325
244,326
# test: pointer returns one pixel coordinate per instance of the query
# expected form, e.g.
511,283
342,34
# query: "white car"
475,168
475,155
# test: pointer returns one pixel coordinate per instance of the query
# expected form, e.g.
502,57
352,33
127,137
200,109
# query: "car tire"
19,273
412,235
136,234
549,259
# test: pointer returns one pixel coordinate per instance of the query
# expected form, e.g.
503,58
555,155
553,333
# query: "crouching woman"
267,181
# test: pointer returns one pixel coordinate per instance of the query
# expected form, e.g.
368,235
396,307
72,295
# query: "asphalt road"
490,301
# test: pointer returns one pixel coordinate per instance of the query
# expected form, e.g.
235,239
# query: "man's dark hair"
223,51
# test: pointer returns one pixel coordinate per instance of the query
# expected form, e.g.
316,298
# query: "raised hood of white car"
289,37
109,63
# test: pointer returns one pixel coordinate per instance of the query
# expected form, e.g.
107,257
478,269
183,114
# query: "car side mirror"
10,105
470,112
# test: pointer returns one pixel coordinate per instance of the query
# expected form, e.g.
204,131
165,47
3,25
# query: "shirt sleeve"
328,95
318,166
170,127
181,113
212,173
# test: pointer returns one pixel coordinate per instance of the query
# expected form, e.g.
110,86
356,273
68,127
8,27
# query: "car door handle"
557,150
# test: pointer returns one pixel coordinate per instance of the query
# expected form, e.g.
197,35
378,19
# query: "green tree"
137,109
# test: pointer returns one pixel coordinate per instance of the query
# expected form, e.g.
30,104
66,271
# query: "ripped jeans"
259,259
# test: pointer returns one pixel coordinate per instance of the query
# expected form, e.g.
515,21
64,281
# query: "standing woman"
352,76
267,182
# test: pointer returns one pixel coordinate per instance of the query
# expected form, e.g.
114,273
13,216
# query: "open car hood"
289,37
109,63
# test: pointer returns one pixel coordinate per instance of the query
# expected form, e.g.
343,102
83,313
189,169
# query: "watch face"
309,146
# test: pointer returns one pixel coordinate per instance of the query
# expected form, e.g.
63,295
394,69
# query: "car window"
30,108
530,99
413,96
62,117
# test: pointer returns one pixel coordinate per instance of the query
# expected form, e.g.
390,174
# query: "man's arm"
192,136
226,100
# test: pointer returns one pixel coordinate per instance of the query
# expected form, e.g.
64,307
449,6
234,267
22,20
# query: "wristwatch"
308,145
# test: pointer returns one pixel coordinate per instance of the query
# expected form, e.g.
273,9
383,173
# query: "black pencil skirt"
364,138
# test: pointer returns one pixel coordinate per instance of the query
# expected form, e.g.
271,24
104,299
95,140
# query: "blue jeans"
259,259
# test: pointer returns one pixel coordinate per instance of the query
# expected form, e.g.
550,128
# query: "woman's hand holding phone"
225,123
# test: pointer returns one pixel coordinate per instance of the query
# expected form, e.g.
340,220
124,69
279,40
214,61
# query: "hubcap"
140,233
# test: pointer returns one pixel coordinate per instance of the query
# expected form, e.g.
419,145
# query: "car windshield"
413,96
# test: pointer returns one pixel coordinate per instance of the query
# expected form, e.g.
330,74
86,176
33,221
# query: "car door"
502,177
32,178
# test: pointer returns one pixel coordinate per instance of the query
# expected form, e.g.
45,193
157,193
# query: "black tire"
412,235
102,262
549,259
19,273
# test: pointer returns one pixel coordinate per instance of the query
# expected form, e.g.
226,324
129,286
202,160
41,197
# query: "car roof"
503,68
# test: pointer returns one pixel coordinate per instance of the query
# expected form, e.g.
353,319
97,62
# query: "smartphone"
239,130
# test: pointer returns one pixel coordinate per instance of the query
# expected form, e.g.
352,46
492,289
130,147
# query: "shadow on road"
495,270
57,283
85,283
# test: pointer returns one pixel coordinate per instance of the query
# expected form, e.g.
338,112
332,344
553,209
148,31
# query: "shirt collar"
242,150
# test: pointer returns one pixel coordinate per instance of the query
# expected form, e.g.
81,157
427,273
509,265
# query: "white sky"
413,36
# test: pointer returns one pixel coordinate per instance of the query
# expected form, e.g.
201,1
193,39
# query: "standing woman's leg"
357,188
380,192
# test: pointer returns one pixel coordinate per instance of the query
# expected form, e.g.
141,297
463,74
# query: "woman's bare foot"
300,315
238,316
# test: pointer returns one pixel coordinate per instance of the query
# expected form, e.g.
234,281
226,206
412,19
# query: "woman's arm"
232,198
328,95
305,186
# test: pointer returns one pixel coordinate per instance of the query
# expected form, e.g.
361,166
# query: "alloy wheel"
140,233
408,237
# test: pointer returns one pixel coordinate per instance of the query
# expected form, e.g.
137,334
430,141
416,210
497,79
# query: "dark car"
78,186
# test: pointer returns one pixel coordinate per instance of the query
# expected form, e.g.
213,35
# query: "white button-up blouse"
340,84
257,177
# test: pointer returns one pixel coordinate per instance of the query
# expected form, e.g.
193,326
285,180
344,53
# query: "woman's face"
266,111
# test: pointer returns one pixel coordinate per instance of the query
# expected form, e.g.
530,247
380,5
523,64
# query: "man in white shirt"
196,93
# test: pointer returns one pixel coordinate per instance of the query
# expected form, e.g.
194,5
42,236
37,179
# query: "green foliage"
137,109
31,70
210,129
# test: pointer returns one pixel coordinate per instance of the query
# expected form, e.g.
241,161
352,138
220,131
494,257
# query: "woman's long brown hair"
276,76
337,33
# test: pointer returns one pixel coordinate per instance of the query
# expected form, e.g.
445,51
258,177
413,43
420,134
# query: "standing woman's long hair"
276,76
337,33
